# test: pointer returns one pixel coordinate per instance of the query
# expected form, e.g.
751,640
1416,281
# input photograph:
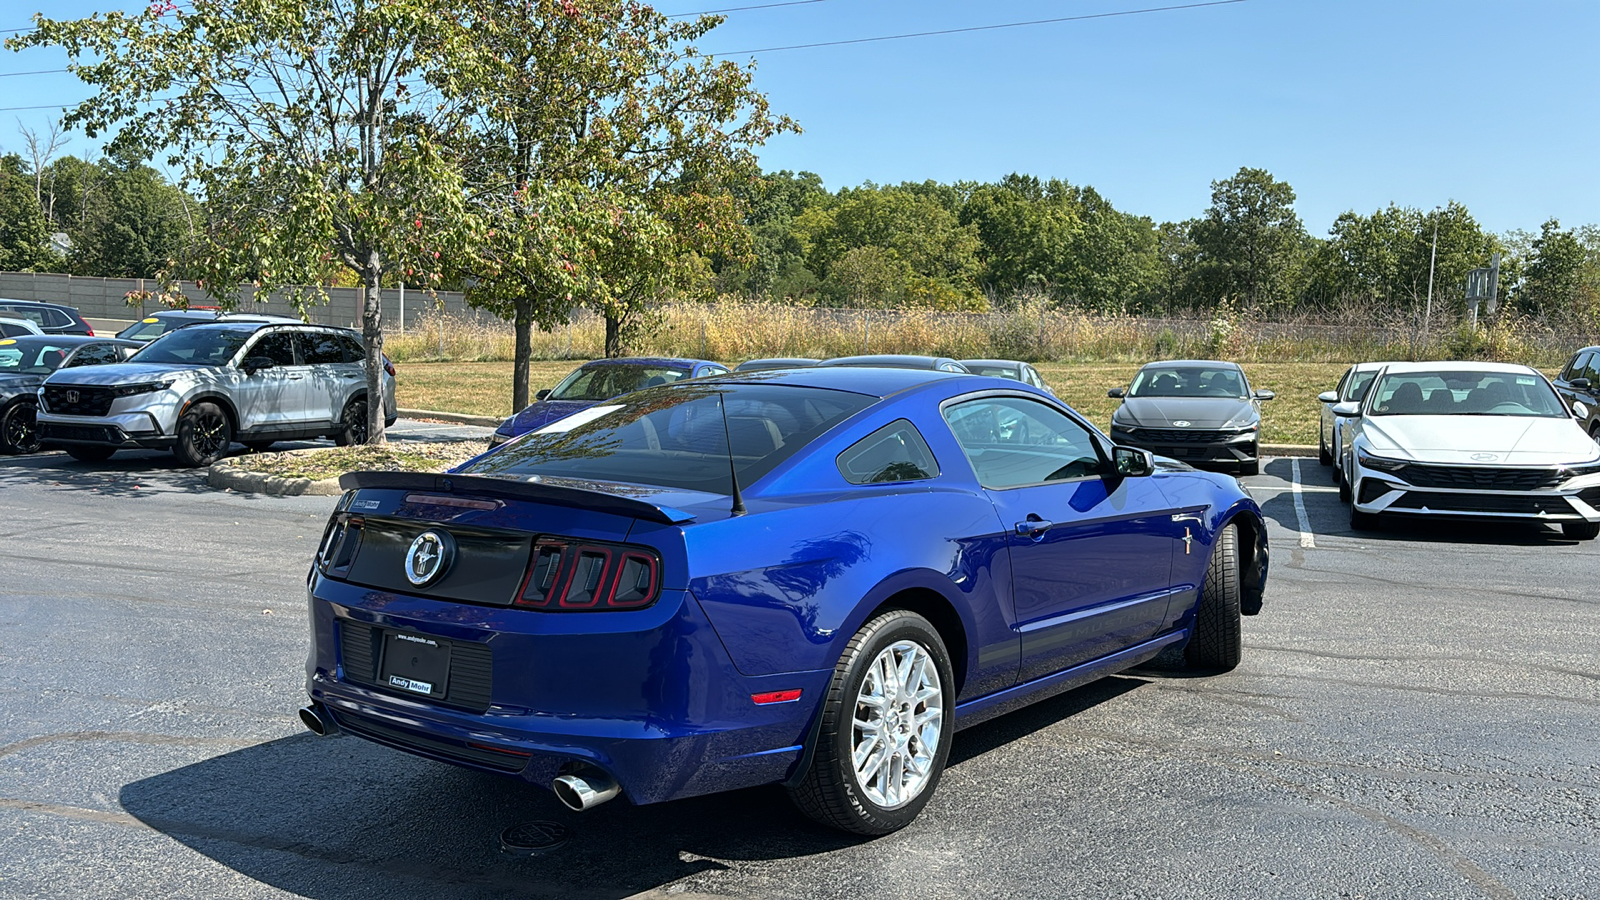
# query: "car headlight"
145,387
1119,426
1580,471
1379,463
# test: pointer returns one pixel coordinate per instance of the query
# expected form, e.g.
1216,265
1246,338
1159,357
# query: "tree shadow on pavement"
130,473
342,819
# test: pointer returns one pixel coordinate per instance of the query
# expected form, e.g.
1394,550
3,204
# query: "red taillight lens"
90,327
583,576
388,365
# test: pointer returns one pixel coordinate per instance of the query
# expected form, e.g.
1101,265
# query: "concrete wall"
102,299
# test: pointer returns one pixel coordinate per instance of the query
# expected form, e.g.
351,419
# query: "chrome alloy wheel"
899,720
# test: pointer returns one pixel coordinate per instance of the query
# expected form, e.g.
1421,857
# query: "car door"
270,399
1579,400
1091,552
330,378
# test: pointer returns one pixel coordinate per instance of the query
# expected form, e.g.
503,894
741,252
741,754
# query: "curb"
1288,449
456,418
226,476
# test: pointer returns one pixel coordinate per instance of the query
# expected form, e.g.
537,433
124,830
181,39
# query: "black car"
1579,387
898,361
25,362
1197,411
50,317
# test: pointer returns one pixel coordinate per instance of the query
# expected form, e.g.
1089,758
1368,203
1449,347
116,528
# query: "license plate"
415,663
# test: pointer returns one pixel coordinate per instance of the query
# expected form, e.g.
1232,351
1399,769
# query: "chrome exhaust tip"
583,790
317,720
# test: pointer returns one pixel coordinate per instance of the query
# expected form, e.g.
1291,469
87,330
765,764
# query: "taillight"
388,365
90,327
339,544
577,576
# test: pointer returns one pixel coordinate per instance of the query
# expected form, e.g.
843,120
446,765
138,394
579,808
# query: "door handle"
1033,527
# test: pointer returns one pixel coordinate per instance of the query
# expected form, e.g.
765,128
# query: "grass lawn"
485,389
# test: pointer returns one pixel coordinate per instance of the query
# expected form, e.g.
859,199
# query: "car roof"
889,360
1369,366
1189,364
997,363
6,301
1401,368
674,362
775,362
869,380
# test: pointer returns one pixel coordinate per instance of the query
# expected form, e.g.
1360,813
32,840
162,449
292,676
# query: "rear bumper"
648,696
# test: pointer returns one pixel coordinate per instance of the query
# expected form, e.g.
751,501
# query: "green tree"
1249,240
22,224
1554,275
135,226
305,124
920,230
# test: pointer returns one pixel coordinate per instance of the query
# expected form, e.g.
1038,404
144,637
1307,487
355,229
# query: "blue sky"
1356,103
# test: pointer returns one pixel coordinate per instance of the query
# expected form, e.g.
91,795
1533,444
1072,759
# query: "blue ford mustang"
808,576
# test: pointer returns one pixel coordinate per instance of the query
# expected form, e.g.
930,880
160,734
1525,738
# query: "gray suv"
198,389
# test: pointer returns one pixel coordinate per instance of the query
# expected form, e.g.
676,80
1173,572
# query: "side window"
21,312
712,370
94,355
277,346
1013,441
1588,370
354,350
320,348
1357,389
9,330
55,318
895,452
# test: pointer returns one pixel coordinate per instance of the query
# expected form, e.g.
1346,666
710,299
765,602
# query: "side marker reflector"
771,697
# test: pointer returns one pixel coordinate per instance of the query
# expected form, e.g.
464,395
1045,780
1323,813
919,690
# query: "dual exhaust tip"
578,790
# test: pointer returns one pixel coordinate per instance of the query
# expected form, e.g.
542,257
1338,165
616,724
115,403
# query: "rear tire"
204,435
19,429
352,424
1581,531
89,452
899,725
1216,642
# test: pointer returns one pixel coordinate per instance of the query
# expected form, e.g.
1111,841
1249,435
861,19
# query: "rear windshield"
197,345
1466,394
153,327
609,380
674,436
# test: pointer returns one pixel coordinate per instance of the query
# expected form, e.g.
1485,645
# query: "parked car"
812,577
52,318
762,365
1352,387
1015,370
1199,411
200,388
595,381
26,361
898,361
1579,387
1469,439
18,328
158,323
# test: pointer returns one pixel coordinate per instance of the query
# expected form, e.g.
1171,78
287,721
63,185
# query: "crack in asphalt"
1358,657
1443,692
124,737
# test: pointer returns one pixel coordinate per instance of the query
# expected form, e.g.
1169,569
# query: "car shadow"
130,473
326,819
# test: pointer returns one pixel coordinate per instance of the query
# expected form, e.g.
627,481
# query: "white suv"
200,388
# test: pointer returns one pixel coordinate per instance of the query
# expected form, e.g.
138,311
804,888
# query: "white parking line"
1306,539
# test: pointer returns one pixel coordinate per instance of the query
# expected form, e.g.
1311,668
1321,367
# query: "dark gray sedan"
1198,411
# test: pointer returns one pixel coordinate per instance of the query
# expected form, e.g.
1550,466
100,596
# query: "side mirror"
1132,462
1265,395
257,363
1116,393
1348,410
541,394
1580,384
1328,397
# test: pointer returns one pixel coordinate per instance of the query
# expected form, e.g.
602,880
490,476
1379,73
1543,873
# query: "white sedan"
1469,439
1351,388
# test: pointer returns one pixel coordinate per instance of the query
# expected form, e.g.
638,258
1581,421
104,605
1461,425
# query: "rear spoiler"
539,492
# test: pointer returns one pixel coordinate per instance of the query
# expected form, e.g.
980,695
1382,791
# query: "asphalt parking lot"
1417,715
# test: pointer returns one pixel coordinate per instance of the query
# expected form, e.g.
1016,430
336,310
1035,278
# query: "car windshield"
195,346
607,380
31,356
1465,393
1010,372
674,436
1188,381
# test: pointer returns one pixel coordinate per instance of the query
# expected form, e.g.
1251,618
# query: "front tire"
1362,521
204,435
352,424
1324,455
1217,640
19,430
886,727
1581,531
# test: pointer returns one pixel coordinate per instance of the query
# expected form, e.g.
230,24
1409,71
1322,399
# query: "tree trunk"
522,355
372,336
614,346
